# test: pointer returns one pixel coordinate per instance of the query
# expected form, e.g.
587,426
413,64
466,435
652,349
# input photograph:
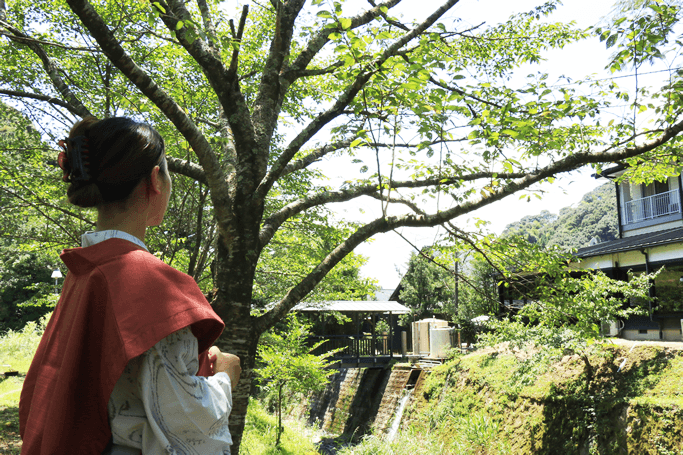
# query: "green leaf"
345,23
159,7
510,133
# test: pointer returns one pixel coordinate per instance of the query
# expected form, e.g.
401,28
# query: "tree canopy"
251,103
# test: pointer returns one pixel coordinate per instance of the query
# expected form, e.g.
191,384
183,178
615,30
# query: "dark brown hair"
121,152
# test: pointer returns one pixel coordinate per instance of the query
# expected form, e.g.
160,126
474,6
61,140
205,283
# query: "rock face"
358,400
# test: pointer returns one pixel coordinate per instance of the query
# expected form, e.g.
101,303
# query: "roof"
607,173
384,294
359,306
636,242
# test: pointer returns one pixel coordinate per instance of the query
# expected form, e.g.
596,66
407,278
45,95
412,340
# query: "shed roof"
359,306
633,243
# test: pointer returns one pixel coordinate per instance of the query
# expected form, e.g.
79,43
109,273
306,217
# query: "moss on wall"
519,402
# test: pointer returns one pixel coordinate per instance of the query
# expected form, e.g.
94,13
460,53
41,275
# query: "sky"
388,253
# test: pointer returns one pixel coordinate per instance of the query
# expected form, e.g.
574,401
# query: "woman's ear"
155,180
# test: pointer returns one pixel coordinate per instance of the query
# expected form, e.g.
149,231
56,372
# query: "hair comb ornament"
75,159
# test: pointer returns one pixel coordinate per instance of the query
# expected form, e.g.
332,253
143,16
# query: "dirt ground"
666,344
10,441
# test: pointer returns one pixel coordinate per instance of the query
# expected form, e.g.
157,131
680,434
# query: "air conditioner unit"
609,328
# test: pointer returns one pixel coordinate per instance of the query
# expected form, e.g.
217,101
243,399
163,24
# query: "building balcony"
657,207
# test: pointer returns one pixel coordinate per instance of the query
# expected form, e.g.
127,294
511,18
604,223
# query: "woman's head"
116,155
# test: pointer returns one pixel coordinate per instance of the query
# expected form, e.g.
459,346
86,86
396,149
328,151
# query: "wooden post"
391,335
358,338
404,343
372,336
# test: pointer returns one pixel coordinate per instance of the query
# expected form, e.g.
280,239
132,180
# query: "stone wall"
350,401
392,394
359,400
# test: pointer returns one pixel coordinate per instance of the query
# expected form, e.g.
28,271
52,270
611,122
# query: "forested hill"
594,216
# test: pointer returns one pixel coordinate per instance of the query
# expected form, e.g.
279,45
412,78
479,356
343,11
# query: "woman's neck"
130,221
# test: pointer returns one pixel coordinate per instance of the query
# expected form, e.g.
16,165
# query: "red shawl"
118,301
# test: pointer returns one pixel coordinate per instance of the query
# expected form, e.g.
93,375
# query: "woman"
121,366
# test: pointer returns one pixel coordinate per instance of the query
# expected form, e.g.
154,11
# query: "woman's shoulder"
121,256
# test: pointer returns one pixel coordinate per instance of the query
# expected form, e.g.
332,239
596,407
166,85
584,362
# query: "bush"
17,348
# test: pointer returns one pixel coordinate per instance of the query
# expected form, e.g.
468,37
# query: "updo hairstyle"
120,153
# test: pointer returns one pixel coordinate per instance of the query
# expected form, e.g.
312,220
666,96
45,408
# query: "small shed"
364,316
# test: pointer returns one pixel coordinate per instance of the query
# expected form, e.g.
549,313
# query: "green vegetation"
286,363
406,108
520,401
595,216
261,430
427,286
16,352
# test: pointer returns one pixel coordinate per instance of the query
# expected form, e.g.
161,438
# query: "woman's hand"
225,363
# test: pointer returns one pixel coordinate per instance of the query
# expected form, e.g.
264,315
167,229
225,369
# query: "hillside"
617,401
594,216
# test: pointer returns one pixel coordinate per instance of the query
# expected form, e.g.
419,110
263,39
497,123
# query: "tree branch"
316,43
385,224
273,222
345,98
214,43
40,97
214,176
315,156
234,60
50,68
186,168
223,81
271,91
47,43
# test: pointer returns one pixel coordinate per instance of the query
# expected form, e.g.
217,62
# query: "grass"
260,431
17,348
16,352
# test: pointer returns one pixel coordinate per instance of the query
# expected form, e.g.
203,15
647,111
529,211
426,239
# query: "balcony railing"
651,207
353,346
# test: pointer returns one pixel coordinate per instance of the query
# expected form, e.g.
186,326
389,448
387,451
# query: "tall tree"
249,107
428,287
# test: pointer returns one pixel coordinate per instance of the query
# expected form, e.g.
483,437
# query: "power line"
617,77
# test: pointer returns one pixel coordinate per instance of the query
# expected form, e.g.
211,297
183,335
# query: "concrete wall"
629,334
350,401
360,400
672,335
392,394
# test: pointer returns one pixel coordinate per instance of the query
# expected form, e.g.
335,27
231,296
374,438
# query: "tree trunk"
232,303
279,415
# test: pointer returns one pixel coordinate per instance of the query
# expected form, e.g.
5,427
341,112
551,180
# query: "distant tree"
478,293
534,228
24,276
427,288
594,217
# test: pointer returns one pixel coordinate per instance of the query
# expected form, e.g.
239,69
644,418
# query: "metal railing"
651,207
